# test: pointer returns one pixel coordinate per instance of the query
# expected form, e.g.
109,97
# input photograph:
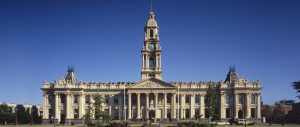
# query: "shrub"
194,124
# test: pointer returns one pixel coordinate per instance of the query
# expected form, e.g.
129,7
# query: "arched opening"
151,33
151,62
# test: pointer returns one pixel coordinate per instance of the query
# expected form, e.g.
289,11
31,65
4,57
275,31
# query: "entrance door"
152,116
240,114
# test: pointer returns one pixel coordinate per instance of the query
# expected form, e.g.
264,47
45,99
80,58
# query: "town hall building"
68,99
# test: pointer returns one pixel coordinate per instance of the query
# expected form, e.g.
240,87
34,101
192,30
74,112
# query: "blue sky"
102,39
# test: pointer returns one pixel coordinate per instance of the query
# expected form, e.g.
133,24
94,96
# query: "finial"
70,68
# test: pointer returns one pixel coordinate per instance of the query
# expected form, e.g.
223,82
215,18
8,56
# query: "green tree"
6,114
296,86
36,118
267,112
23,116
88,115
99,111
278,113
211,102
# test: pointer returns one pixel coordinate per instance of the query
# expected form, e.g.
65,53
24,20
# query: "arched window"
151,33
151,62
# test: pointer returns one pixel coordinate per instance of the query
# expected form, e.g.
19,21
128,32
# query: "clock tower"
151,51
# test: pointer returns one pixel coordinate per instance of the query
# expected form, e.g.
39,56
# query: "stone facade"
67,99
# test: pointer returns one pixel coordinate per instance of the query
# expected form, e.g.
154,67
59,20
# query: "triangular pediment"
152,83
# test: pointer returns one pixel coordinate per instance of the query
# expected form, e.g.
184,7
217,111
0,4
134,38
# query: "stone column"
138,107
110,105
129,105
143,58
236,102
68,113
258,106
147,62
165,106
202,106
71,106
45,107
173,106
120,107
156,105
81,105
248,108
57,115
222,106
147,105
182,106
192,108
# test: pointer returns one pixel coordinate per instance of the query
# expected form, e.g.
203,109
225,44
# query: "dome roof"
151,21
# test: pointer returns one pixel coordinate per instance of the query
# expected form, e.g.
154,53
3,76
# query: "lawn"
82,126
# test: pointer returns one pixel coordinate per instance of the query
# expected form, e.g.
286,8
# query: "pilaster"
248,108
258,106
45,106
222,106
192,108
182,104
129,106
202,106
165,106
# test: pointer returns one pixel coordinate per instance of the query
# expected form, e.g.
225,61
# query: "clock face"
151,46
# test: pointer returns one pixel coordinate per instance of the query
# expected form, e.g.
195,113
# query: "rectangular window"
197,99
253,113
75,99
116,114
87,99
169,99
197,113
50,112
240,99
107,99
116,100
87,111
227,97
187,99
177,98
50,99
253,99
187,113
227,112
62,99
76,111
